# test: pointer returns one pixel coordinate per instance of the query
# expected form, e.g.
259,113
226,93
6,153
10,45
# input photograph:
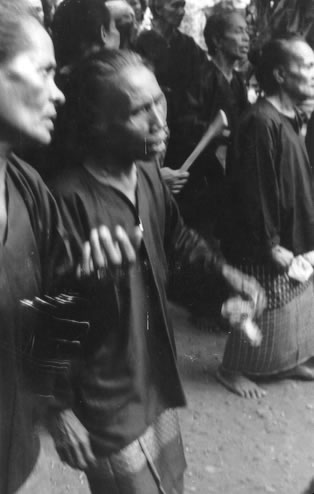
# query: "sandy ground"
233,445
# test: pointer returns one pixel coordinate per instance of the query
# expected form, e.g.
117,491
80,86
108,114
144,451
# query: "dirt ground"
233,445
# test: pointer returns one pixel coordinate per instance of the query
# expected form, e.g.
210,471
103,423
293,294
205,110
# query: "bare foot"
239,384
301,371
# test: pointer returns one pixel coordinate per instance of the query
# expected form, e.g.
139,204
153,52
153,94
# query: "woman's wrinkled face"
298,74
28,94
141,132
235,41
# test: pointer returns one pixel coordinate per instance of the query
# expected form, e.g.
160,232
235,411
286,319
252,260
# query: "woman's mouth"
158,147
156,143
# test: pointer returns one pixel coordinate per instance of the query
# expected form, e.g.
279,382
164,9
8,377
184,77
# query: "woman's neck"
123,178
163,28
283,103
224,65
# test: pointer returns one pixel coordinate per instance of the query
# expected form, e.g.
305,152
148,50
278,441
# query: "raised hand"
281,257
105,252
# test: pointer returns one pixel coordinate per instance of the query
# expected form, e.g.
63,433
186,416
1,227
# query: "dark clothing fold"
271,192
178,65
205,188
33,243
219,93
154,463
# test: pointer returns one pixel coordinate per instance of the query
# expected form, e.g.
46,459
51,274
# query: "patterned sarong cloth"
152,464
287,326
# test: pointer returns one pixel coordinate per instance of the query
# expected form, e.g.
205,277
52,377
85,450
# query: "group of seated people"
107,231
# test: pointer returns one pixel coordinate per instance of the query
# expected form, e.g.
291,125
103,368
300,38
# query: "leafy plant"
282,16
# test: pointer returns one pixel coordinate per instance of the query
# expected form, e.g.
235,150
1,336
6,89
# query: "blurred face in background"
137,7
253,89
172,11
298,74
28,94
234,43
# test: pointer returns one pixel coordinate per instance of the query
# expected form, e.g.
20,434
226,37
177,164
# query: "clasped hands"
283,258
298,268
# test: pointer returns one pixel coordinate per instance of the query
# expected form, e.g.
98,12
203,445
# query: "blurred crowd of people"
102,221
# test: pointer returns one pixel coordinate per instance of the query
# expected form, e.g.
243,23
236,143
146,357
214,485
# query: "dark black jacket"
116,400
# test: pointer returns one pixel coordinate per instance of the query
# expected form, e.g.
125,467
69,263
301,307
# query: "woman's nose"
57,95
246,35
158,116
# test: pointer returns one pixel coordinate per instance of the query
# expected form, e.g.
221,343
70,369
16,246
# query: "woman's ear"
103,35
279,74
216,42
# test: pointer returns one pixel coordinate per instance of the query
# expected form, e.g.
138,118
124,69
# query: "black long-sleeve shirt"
130,373
271,196
30,254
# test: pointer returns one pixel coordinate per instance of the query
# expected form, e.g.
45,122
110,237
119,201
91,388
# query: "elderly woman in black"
222,88
122,426
30,227
271,221
33,247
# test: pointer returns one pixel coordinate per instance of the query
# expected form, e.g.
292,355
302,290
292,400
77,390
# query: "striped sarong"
287,326
152,464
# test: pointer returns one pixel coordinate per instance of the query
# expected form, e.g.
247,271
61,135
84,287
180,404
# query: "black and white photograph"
156,246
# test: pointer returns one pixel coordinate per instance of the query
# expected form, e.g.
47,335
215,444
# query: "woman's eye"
46,72
140,111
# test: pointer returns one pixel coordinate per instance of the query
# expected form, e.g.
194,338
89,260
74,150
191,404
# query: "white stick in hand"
215,128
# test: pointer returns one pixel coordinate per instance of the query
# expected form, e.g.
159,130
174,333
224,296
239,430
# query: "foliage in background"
270,17
280,16
197,11
194,20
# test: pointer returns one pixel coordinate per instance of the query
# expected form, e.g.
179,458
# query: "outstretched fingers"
107,252
86,266
127,248
105,248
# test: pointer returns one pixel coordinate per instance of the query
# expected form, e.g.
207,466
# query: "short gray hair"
13,16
